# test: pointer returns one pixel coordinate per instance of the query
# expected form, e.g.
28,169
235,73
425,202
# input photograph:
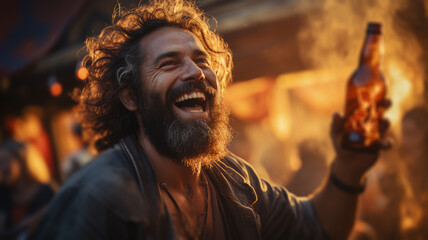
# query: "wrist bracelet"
345,187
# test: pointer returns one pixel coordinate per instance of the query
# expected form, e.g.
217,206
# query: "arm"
334,207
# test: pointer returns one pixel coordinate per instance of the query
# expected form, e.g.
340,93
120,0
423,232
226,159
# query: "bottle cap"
374,28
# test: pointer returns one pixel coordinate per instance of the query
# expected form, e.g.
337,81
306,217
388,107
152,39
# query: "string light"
81,71
55,88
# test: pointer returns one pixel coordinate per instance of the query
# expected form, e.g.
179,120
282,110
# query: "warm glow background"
292,60
295,106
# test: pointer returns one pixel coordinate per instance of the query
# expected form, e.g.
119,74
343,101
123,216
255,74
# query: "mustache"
187,87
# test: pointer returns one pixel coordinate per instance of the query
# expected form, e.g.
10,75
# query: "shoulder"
233,176
237,164
273,204
106,181
107,169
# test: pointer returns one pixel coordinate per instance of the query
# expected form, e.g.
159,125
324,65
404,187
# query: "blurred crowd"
29,175
394,205
23,194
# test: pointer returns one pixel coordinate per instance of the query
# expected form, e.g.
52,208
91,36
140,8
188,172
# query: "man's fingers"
387,144
337,124
383,126
385,103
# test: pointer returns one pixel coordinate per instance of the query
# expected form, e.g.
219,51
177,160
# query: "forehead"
169,39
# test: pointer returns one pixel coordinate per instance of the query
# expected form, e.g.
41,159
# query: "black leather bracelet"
345,187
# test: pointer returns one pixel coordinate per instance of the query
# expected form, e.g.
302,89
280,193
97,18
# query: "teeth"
195,110
192,95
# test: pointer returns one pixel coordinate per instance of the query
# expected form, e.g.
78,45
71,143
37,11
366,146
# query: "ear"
128,100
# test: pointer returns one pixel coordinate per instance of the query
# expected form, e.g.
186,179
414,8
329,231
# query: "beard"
190,142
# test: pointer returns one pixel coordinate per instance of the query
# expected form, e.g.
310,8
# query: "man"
154,105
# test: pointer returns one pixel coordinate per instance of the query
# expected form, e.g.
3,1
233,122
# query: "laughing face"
181,111
173,56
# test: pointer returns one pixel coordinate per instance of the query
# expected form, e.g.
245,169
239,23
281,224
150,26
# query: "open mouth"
193,102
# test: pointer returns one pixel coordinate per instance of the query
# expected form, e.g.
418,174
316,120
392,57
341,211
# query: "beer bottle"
365,90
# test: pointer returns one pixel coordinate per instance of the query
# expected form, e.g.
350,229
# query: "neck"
168,170
371,53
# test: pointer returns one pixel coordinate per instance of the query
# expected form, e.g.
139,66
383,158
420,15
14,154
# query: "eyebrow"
162,56
174,54
199,52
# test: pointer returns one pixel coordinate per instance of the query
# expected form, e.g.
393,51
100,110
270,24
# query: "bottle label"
363,115
355,137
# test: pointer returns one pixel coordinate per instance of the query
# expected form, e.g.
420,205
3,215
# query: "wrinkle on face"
182,127
185,46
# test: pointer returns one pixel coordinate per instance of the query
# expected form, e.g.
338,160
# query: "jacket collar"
233,188
160,222
237,197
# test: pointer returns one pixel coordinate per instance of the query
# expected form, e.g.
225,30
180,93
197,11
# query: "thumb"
336,128
337,124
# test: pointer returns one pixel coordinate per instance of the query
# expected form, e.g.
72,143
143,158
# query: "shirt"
116,197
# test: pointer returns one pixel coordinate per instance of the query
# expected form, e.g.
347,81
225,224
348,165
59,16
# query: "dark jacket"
116,197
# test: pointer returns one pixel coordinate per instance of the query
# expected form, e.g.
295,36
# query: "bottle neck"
372,51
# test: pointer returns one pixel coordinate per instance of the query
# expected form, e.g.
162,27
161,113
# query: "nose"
192,72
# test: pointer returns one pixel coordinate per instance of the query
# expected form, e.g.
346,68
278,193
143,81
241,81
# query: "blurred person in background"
313,168
395,203
79,158
24,194
414,146
27,126
414,153
380,203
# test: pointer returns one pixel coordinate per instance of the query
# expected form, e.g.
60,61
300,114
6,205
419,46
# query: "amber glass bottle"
365,90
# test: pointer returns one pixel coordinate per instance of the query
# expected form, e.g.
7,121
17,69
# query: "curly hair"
114,60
